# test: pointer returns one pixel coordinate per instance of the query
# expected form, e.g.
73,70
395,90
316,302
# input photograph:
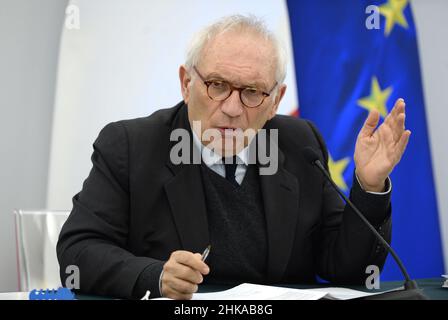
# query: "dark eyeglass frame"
233,88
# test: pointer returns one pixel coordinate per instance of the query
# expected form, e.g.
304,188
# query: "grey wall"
432,30
29,46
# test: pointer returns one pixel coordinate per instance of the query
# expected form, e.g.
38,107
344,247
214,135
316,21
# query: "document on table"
248,291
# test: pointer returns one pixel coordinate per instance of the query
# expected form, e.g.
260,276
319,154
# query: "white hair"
237,22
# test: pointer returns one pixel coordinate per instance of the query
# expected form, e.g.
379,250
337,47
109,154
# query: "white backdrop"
123,63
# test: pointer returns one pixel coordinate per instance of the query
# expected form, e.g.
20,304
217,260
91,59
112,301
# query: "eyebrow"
256,84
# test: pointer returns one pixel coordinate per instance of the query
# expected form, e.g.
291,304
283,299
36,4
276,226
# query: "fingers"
191,260
179,289
398,107
398,128
402,143
184,272
370,124
181,275
396,119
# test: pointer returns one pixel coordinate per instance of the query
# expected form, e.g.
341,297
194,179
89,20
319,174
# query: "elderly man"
141,219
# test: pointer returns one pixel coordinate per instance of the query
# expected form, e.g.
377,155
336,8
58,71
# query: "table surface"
432,288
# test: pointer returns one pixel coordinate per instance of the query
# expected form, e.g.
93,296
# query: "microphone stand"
411,290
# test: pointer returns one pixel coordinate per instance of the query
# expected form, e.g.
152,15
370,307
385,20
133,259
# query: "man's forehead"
239,46
240,58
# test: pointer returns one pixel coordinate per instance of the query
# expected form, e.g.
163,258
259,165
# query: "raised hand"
378,150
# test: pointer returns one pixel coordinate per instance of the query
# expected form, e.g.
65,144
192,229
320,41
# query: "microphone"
411,290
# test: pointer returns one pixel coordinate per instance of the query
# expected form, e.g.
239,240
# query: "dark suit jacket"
136,207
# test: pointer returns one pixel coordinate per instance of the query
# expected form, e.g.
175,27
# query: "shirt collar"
211,158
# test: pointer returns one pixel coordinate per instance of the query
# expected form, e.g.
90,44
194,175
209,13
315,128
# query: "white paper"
445,284
347,294
248,291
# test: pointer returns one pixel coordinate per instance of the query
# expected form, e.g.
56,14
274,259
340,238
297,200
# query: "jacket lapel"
187,202
281,203
186,198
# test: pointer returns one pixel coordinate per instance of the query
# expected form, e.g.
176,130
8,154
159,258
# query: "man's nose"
232,106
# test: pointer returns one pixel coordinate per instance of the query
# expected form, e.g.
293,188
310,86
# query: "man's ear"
278,98
185,81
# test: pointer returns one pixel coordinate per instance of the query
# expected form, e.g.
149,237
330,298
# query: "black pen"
206,252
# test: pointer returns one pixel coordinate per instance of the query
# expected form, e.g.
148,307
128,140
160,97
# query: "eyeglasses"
220,90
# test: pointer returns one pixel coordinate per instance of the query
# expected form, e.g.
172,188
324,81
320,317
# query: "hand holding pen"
182,274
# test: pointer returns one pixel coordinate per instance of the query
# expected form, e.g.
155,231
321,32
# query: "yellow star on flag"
393,12
337,169
377,99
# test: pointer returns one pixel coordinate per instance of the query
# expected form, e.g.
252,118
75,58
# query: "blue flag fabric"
343,69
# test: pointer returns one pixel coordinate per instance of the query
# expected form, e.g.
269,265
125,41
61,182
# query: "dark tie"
230,171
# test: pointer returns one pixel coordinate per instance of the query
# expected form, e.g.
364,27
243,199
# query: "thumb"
370,124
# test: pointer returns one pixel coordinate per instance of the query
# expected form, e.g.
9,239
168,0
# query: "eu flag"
346,67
